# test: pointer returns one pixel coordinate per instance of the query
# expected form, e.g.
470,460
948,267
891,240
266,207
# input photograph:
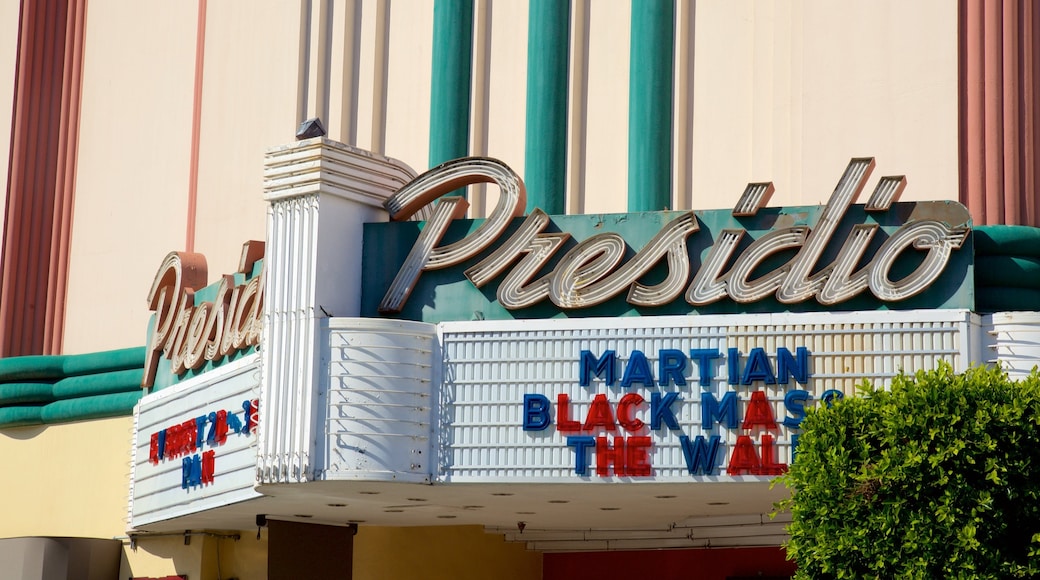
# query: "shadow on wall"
60,558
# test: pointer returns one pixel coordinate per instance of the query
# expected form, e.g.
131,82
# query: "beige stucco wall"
132,172
249,105
789,92
8,64
135,148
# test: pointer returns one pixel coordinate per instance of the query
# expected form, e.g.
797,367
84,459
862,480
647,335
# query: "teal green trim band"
106,361
1004,298
545,149
96,407
99,384
25,393
58,366
650,105
450,90
41,367
1004,240
74,387
78,409
20,416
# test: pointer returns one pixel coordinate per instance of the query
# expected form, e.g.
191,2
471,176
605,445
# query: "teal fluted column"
545,147
450,86
650,105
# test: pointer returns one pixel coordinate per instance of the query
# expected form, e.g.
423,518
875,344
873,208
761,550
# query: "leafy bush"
937,478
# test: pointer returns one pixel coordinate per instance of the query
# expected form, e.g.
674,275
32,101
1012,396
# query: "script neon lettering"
190,334
594,270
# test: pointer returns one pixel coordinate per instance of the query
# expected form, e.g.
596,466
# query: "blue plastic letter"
704,356
661,410
788,365
671,366
712,410
732,358
590,366
758,368
831,396
536,412
637,370
700,454
581,457
795,403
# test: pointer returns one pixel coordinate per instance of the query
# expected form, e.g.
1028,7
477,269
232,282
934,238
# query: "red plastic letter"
208,461
221,432
625,409
637,462
744,457
759,412
564,423
600,415
605,456
769,467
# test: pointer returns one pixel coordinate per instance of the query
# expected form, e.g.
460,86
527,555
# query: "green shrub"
938,477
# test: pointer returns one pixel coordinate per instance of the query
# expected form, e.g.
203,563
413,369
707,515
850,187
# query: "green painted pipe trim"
22,368
20,416
545,149
451,75
101,362
1007,240
96,407
1013,271
650,105
22,393
98,384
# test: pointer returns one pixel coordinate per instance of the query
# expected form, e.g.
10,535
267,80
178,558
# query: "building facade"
144,137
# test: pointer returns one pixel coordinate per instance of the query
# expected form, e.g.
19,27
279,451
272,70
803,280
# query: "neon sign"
534,266
190,334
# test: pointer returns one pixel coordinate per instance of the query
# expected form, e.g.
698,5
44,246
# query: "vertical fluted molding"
41,177
999,105
545,147
196,127
650,105
65,183
321,193
450,90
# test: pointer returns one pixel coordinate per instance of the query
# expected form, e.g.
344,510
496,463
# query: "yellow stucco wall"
455,553
66,480
204,558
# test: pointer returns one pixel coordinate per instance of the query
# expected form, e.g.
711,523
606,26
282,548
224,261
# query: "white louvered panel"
490,366
1013,338
378,400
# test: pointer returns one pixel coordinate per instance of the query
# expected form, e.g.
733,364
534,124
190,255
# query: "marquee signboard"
878,255
195,443
667,399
